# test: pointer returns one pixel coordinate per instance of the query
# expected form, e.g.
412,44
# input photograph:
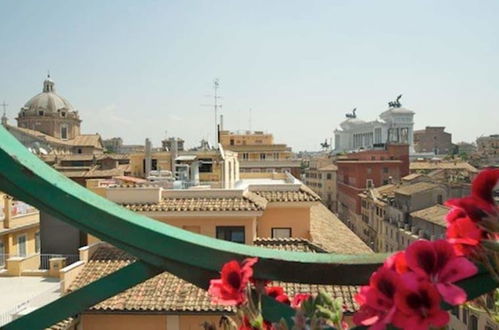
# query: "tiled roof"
63,325
85,140
434,214
304,194
415,166
327,231
289,244
248,202
415,188
330,167
168,293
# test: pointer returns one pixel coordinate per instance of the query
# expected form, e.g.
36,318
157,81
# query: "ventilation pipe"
148,158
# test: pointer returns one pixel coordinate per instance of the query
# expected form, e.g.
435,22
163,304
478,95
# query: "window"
233,234
64,132
262,156
245,156
21,245
440,199
473,323
37,242
385,169
205,165
276,155
40,113
80,150
154,164
231,142
465,315
281,232
369,183
329,176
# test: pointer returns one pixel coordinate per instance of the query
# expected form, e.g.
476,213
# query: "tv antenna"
216,104
249,119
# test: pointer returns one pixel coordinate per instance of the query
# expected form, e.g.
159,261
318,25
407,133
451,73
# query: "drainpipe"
7,210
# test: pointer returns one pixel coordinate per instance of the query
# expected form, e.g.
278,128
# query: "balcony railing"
156,245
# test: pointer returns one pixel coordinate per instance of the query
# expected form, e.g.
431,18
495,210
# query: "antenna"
216,106
4,105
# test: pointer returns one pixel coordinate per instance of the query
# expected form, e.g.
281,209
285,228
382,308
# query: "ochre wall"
207,225
123,322
298,218
10,241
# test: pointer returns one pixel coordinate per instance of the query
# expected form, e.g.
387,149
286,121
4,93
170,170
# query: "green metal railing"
161,247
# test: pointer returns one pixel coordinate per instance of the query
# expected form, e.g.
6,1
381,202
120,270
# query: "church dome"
48,100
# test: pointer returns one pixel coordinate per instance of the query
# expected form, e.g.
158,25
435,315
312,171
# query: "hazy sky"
136,69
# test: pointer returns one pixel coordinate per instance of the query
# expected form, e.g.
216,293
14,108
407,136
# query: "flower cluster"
235,287
408,289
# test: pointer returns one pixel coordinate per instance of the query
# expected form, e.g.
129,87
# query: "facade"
433,139
363,170
488,145
320,176
450,171
19,233
395,126
258,153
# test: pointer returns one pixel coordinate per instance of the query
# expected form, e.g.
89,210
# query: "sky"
144,69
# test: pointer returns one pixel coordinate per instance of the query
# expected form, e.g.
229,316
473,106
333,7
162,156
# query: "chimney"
221,122
7,210
148,158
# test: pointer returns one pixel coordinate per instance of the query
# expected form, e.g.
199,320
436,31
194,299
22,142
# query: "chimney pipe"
148,158
7,210
221,122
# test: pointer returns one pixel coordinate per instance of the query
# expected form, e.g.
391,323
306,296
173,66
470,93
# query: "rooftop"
415,188
433,165
329,233
434,214
302,194
168,293
330,167
248,201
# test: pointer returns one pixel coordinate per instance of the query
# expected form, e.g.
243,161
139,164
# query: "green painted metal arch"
26,177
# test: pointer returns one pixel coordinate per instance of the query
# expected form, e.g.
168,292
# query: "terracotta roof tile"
304,194
434,214
327,231
168,293
248,202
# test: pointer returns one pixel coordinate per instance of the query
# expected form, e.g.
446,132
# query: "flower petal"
457,269
451,293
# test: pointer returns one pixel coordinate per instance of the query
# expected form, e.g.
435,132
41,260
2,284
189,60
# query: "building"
19,234
48,123
320,176
451,171
488,145
258,153
433,139
395,126
363,170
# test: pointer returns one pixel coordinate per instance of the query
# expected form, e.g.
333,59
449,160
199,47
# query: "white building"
396,125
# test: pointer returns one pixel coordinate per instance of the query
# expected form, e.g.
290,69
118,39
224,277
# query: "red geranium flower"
299,298
397,262
481,202
463,234
377,300
437,263
418,305
278,294
229,289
